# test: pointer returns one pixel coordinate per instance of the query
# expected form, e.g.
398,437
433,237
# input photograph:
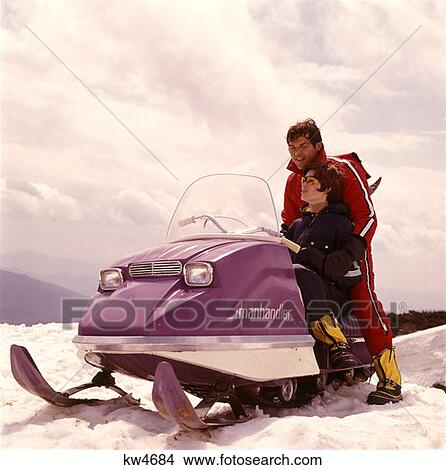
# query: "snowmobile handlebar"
205,217
187,221
291,245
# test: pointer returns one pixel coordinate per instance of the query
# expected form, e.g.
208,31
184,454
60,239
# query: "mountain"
413,321
29,301
72,274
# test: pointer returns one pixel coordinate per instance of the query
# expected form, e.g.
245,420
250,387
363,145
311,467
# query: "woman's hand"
311,258
338,263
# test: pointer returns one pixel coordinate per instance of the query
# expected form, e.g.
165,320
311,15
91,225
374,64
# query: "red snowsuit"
369,311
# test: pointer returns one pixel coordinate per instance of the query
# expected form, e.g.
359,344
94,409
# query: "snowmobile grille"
155,268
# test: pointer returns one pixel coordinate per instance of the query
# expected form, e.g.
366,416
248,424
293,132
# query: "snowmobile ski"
173,404
27,374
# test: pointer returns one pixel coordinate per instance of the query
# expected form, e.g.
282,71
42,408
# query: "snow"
338,420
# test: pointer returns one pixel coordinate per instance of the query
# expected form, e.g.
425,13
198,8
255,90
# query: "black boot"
386,392
327,330
341,356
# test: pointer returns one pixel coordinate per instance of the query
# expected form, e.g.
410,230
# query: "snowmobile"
215,311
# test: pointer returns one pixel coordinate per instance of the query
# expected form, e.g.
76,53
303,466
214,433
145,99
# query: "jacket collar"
322,157
339,208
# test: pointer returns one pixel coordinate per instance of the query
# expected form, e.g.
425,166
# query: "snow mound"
422,356
338,420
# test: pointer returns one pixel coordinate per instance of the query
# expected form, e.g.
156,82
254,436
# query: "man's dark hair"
306,129
330,177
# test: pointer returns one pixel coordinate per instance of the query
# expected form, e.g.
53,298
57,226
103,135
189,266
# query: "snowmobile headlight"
111,278
198,274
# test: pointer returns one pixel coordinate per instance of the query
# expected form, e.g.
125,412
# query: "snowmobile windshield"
225,205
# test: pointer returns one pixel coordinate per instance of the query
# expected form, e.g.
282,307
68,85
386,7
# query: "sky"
167,91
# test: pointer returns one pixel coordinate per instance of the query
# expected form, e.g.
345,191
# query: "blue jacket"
329,246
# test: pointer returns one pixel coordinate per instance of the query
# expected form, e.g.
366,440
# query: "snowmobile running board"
173,404
27,374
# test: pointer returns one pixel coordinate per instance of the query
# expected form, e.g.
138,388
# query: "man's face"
303,152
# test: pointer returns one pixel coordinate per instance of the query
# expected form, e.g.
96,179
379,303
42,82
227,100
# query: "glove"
284,230
311,258
355,246
338,263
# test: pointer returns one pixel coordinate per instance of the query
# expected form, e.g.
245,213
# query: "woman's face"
311,189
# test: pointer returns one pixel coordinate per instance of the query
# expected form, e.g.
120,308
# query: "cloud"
39,200
422,149
405,94
411,210
212,87
140,208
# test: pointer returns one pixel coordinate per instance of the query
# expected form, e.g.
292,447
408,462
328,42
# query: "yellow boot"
388,389
327,330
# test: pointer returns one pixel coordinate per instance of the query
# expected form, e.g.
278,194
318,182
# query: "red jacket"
356,193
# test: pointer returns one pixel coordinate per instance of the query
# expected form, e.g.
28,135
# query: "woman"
327,265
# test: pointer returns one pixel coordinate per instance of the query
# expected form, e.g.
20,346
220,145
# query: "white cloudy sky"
212,86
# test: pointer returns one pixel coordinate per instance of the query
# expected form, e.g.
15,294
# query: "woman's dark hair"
306,129
330,177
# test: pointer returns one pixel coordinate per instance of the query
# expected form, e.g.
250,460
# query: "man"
306,148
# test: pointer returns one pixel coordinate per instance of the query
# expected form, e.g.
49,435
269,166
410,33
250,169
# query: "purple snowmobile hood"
253,288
